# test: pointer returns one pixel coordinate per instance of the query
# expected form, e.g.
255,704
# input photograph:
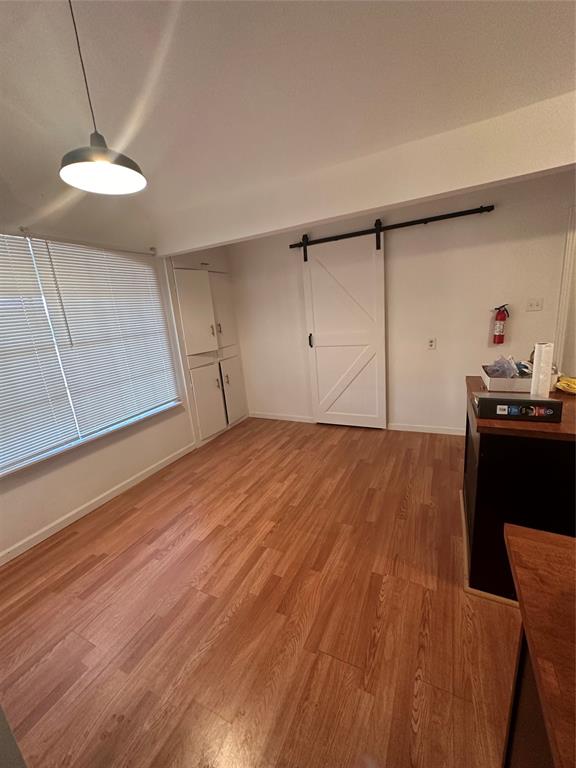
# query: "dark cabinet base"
512,479
527,744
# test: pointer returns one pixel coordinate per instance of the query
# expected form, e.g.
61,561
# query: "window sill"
91,438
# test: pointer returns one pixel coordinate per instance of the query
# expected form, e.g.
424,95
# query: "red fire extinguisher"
502,314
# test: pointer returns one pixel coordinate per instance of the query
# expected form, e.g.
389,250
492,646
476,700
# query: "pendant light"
97,168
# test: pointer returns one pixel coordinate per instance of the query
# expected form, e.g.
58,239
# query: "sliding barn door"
345,312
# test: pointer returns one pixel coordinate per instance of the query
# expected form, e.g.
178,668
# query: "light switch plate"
534,305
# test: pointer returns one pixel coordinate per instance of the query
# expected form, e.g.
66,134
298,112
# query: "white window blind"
84,347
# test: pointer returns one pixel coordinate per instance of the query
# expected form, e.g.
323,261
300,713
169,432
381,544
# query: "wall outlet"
534,305
431,343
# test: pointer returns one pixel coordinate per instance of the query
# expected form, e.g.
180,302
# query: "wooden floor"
289,595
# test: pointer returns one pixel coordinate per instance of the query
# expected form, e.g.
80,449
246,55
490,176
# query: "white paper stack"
542,369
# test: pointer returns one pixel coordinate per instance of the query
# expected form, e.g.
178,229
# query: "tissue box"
511,385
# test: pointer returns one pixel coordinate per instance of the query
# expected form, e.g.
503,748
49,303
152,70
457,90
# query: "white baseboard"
76,514
396,427
427,428
282,417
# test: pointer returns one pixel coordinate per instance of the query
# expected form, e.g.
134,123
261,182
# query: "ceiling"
217,97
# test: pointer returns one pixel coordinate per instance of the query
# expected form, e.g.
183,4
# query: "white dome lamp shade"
101,170
97,168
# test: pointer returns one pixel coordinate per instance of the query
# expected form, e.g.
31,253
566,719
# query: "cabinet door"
234,388
209,400
196,310
224,309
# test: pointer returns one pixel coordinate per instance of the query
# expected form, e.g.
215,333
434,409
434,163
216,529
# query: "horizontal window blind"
84,346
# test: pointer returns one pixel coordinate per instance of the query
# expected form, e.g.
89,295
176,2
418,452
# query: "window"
84,347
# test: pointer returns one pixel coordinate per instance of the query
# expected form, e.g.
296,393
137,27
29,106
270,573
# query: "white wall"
569,361
567,313
442,280
530,140
40,499
269,296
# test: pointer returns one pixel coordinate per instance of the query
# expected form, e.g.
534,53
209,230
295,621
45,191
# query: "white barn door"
344,287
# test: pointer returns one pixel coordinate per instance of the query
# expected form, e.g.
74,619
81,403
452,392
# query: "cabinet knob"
218,383
227,379
212,330
219,326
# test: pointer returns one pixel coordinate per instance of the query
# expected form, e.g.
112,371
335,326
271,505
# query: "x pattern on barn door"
345,310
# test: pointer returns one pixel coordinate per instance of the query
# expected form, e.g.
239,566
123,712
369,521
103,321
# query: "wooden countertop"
565,430
543,566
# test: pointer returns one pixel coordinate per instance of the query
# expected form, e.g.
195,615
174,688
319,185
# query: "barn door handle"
310,340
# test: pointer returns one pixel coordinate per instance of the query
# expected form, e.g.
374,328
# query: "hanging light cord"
82,64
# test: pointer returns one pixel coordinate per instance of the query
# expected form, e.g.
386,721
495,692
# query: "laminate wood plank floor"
288,596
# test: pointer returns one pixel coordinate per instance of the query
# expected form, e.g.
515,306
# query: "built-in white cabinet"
234,392
219,394
206,307
206,310
196,310
222,297
208,394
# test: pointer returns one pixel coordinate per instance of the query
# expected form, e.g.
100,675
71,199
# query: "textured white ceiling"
217,97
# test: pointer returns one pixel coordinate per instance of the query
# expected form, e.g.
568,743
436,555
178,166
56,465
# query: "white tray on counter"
511,385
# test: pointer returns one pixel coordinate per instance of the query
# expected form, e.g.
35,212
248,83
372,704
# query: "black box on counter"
516,406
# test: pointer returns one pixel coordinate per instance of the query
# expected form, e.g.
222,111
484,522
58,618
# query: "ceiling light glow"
102,171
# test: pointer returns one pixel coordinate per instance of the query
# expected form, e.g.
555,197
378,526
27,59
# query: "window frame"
177,402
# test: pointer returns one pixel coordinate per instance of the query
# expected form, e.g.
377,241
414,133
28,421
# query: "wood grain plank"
328,725
288,595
